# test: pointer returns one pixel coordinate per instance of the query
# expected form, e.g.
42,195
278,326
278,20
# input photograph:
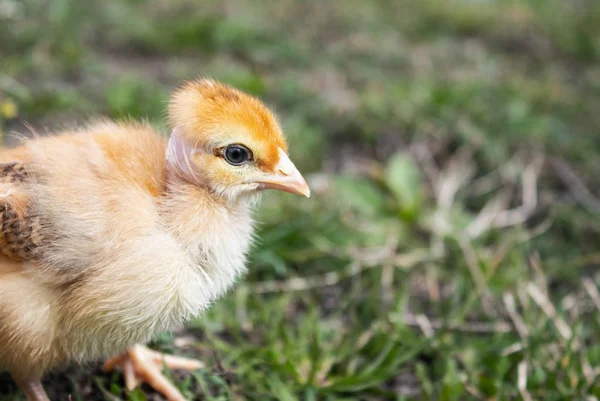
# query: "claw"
141,364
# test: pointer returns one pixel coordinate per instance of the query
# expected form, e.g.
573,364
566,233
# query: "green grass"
450,250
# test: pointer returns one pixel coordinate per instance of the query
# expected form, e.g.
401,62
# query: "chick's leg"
33,389
141,364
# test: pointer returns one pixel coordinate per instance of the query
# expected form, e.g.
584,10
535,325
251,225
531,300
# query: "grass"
450,250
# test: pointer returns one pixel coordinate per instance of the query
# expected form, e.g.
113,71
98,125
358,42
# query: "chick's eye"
237,155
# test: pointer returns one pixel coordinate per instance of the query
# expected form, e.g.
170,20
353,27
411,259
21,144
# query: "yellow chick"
113,234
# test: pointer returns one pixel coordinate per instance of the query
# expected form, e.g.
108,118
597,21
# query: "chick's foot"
141,364
33,389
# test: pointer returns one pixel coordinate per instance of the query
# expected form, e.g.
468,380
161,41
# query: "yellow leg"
33,389
141,364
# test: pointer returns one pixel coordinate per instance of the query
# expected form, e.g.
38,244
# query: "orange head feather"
210,121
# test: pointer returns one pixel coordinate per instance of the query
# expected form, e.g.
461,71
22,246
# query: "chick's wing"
20,229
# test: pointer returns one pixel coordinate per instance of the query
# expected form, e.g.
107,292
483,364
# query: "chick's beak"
286,178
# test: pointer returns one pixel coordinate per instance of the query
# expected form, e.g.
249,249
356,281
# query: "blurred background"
450,250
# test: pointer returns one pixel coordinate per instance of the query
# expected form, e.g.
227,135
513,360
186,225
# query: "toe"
141,364
160,383
112,363
175,362
132,380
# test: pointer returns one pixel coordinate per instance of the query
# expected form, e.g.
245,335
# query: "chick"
113,233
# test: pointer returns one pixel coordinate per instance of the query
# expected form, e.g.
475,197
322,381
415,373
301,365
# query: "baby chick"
112,234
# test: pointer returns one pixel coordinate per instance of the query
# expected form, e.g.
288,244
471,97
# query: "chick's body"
112,234
126,256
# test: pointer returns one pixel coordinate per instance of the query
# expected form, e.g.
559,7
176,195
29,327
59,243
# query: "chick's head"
229,142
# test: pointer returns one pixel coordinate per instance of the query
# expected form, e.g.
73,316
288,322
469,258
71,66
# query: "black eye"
236,155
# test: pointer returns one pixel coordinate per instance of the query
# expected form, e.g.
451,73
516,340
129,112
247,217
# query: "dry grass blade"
522,381
485,219
387,284
493,217
465,327
519,215
576,186
425,325
592,291
460,170
516,347
544,303
493,180
511,308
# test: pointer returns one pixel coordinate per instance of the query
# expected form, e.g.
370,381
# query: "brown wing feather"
20,233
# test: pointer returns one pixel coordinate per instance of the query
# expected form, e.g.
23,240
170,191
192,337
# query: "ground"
450,249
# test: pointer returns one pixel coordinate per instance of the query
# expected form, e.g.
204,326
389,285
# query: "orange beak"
286,178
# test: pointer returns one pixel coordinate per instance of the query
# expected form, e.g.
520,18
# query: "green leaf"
137,395
404,180
280,390
452,387
359,194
